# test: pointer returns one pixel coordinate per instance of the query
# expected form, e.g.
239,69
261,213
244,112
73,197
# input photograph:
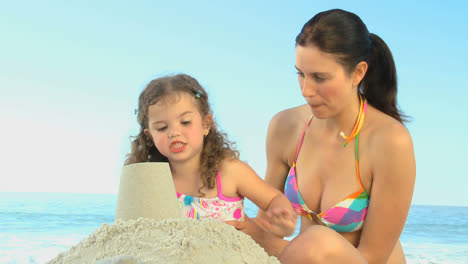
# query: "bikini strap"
302,139
356,153
356,145
218,184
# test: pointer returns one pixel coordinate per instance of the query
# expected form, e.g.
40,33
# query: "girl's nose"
174,132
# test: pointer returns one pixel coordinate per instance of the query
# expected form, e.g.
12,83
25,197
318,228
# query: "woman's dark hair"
344,35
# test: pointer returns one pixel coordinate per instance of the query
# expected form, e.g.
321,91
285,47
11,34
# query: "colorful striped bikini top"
221,207
346,216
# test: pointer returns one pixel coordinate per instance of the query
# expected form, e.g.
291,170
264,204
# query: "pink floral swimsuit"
220,207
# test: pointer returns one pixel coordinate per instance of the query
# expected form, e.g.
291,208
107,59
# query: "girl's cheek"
158,142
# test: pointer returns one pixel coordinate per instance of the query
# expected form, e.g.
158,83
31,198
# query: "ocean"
36,227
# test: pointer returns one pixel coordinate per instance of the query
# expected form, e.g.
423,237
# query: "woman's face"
324,83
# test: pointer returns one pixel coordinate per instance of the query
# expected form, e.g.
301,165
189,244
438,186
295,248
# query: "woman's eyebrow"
312,73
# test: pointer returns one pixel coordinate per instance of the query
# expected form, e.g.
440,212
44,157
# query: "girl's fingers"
239,225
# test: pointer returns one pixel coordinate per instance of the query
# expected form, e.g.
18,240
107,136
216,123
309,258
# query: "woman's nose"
308,88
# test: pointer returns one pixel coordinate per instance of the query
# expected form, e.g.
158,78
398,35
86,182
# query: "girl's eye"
186,123
161,129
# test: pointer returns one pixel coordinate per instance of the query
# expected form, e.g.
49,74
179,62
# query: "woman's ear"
359,72
207,122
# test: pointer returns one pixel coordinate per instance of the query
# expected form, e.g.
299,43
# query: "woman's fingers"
266,224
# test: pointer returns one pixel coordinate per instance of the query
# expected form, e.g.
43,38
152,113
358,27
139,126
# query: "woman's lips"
177,146
315,106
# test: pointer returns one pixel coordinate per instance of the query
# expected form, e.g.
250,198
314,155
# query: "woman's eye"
161,129
300,74
319,79
186,123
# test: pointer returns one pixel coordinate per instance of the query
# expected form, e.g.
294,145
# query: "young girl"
177,126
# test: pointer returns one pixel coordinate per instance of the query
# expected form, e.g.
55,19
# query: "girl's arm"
272,244
394,173
282,139
282,219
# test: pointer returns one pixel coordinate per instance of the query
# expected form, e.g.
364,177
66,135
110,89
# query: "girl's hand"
249,227
280,221
268,241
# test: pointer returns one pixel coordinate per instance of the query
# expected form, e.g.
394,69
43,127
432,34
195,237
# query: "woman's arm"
279,146
282,138
394,172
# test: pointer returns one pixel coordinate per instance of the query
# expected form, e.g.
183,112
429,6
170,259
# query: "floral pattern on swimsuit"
220,207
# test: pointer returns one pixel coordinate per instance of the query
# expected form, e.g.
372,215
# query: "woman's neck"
345,120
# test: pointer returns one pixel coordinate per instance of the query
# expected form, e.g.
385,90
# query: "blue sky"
70,75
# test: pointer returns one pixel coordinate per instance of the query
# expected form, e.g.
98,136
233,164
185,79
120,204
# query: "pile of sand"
149,228
175,240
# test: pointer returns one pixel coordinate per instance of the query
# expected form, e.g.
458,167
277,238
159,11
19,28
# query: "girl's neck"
186,169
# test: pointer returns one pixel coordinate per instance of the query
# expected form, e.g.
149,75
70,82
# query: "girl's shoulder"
233,166
233,173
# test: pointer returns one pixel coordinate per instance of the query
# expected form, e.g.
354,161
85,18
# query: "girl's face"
177,127
324,83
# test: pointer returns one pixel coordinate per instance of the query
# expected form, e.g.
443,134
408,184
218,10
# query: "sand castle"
147,190
149,229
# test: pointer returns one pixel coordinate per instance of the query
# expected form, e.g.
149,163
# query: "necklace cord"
360,120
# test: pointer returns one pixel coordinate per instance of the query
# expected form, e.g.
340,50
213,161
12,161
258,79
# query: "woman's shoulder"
387,133
283,135
289,121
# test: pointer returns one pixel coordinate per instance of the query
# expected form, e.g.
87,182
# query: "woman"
344,159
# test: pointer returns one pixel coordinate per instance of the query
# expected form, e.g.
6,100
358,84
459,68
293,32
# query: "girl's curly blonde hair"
216,146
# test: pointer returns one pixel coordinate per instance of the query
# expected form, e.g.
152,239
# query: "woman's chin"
319,113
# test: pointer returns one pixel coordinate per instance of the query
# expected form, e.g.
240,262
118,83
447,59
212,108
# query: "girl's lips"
177,146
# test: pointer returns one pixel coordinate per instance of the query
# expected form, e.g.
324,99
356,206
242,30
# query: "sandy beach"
176,240
149,229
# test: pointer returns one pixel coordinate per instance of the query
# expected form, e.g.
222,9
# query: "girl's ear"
207,121
359,72
147,133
